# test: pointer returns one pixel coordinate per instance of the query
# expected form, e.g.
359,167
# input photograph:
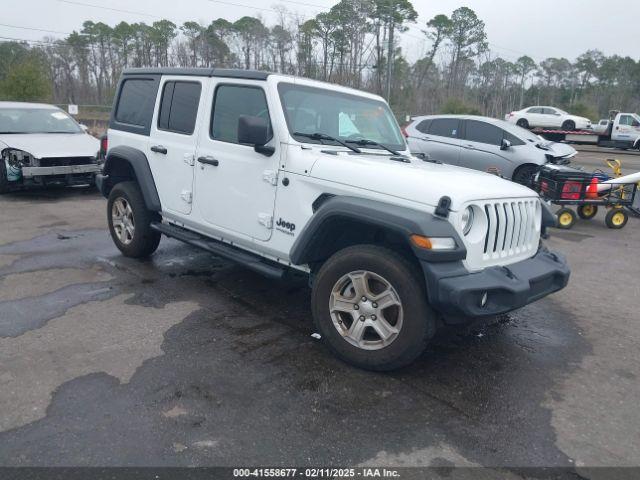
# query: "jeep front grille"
511,233
63,162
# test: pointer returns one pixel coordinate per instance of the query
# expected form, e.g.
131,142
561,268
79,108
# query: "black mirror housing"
253,131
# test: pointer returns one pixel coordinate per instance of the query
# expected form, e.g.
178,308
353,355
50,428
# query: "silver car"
485,144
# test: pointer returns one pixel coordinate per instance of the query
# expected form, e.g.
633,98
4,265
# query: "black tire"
569,125
587,212
144,240
4,183
524,175
523,122
566,218
616,219
418,319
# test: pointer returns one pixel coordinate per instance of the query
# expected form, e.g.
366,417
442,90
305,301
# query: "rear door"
173,140
235,185
442,140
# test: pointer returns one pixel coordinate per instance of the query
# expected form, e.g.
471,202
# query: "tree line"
348,45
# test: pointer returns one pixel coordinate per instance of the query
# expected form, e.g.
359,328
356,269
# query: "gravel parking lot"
188,360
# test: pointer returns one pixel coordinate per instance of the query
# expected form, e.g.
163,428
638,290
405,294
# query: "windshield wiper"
322,136
364,142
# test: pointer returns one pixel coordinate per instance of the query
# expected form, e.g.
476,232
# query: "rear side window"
534,110
179,107
137,98
445,127
423,126
230,103
483,132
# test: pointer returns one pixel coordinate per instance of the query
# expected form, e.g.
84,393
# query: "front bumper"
454,291
30,172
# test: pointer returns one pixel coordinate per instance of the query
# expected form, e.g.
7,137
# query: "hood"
560,150
53,145
418,181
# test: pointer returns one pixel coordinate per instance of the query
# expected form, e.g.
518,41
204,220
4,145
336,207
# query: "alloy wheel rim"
123,221
366,310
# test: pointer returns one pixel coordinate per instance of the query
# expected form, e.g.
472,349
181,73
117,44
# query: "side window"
482,132
549,111
445,127
179,107
230,103
626,120
423,126
136,102
534,110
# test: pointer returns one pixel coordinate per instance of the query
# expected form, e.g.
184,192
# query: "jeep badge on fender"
205,163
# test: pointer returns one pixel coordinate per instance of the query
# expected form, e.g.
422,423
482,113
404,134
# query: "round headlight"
467,220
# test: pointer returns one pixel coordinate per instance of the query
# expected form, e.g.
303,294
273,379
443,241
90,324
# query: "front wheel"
130,221
569,125
369,304
523,122
525,175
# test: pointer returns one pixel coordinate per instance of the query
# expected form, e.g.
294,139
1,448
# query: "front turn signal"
433,243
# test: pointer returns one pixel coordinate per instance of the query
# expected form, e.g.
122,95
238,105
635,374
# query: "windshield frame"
401,147
43,110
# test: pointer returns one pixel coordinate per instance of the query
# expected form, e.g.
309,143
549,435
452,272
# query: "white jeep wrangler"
281,173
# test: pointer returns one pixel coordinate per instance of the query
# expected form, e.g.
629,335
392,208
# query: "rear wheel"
569,125
566,218
369,304
587,212
130,221
616,219
523,122
525,174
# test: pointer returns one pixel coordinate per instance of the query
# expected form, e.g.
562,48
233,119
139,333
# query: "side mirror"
255,131
84,127
506,144
423,156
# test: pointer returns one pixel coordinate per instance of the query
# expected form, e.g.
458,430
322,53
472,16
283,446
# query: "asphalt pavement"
188,360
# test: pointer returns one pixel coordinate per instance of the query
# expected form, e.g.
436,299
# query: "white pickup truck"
280,173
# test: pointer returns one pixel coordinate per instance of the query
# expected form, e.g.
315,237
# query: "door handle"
159,149
208,161
469,147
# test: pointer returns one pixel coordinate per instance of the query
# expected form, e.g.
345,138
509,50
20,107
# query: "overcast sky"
540,28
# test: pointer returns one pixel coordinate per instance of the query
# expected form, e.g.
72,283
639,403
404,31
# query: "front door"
173,139
235,185
481,148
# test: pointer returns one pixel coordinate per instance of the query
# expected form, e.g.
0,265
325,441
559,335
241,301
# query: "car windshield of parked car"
36,120
310,110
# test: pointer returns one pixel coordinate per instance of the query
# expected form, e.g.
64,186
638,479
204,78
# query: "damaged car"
42,145
485,144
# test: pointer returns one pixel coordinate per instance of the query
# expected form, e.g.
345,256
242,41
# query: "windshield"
310,110
36,120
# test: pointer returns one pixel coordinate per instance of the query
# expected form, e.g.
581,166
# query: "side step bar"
249,260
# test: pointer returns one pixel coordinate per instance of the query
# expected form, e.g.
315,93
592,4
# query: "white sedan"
42,145
548,117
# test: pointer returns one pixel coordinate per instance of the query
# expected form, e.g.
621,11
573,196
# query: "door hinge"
265,219
270,176
187,196
189,159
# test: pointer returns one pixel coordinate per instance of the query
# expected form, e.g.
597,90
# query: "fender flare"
140,166
401,220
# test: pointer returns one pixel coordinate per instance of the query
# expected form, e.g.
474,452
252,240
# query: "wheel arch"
126,163
340,222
